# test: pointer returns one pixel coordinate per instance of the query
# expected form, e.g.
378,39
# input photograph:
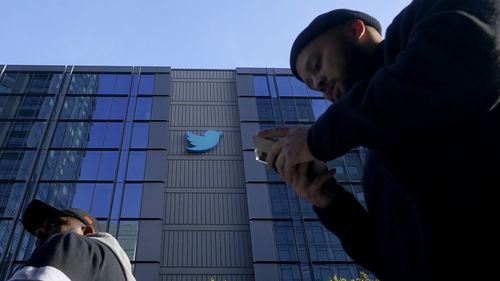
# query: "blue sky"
178,33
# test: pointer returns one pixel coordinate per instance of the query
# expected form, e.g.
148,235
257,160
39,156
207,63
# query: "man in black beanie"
425,102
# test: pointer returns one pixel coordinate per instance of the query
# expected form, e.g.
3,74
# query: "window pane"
107,165
84,83
21,134
318,107
15,165
106,83
90,165
146,84
132,198
136,165
265,109
279,201
304,110
10,197
33,83
127,236
285,243
122,85
143,109
298,87
288,110
113,135
140,135
260,86
101,200
284,88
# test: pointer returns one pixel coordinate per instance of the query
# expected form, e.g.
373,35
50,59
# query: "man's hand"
289,151
311,190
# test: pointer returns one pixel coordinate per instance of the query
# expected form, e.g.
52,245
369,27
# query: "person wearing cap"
425,102
70,247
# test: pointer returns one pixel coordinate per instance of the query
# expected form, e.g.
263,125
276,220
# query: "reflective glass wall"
77,138
302,249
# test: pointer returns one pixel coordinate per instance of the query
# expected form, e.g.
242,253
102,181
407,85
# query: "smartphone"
262,148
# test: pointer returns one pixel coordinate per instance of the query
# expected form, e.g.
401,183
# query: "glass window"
260,86
143,109
140,135
284,88
272,87
288,110
94,198
304,110
127,237
21,134
279,201
314,93
25,107
342,271
132,198
354,166
104,84
97,108
15,165
290,272
32,83
285,243
107,165
318,107
265,109
324,245
122,85
136,165
10,197
146,84
298,87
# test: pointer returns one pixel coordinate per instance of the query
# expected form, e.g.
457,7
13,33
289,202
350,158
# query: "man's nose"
319,82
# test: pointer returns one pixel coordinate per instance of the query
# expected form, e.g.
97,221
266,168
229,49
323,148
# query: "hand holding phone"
262,148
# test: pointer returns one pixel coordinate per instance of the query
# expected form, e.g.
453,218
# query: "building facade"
112,140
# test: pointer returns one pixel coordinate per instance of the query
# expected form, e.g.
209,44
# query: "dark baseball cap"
38,212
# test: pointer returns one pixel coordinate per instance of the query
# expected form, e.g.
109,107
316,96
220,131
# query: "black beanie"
323,23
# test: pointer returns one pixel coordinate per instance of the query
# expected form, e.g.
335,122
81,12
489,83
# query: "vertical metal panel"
218,249
206,208
205,173
208,277
204,91
203,74
204,115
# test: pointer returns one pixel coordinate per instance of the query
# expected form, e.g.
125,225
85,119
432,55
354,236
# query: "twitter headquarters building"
164,159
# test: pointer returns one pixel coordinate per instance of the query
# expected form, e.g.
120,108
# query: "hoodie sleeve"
347,219
443,77
64,257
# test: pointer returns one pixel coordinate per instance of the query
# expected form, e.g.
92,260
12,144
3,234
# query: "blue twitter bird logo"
199,144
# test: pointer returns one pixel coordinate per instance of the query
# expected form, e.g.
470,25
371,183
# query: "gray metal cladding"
206,208
230,143
205,173
204,91
206,231
207,277
206,115
207,249
203,74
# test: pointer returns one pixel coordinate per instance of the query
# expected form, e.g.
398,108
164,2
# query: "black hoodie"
431,120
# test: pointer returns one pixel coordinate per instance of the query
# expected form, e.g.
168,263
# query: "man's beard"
358,65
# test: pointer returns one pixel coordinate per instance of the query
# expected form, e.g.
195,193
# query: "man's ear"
356,28
87,230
